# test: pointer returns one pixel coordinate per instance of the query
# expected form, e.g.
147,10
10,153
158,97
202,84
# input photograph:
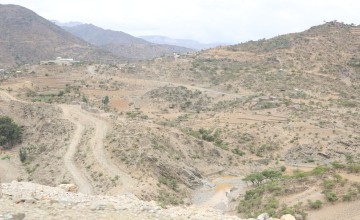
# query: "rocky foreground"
24,200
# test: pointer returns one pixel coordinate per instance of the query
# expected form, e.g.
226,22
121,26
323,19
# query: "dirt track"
99,127
83,119
80,180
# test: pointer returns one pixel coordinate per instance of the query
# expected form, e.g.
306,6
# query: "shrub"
22,155
315,204
10,132
328,184
237,151
354,168
338,165
349,195
319,170
166,199
331,196
168,182
283,168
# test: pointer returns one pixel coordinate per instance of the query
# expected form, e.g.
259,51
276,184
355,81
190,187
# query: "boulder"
18,216
264,216
69,187
287,217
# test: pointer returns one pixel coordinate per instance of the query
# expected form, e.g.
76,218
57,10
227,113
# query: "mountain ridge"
180,42
29,38
123,44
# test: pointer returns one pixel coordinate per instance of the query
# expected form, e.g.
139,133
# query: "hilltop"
27,38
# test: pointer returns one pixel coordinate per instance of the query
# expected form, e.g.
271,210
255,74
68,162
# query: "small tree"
105,101
254,178
22,155
10,132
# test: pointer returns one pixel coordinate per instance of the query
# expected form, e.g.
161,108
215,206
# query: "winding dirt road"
81,181
83,119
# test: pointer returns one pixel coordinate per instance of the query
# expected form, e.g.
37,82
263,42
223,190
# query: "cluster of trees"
10,132
258,177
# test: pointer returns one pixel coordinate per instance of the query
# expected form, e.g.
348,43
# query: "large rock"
287,217
69,187
264,216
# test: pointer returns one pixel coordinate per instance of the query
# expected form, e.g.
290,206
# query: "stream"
219,192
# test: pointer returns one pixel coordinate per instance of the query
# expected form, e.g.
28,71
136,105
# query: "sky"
207,21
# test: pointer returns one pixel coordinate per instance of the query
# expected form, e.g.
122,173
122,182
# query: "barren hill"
123,44
28,38
328,54
281,114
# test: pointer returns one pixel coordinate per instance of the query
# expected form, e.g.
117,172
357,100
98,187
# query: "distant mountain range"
66,24
179,42
25,37
156,39
123,44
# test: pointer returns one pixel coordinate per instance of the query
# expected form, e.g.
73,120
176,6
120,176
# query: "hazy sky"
229,21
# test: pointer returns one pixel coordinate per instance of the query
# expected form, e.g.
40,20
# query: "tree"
254,178
106,101
271,174
10,132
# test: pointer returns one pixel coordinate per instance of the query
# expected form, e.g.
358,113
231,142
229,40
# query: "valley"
268,126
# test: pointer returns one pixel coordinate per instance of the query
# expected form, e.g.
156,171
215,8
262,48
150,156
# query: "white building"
59,61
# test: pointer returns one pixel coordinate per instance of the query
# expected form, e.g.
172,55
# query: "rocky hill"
123,44
28,38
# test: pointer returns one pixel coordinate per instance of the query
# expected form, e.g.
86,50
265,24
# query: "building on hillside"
59,61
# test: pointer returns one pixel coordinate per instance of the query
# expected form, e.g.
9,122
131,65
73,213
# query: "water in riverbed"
219,193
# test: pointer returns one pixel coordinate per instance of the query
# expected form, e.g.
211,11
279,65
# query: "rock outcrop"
32,201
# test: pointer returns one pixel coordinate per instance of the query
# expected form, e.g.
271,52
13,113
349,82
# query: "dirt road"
81,181
83,119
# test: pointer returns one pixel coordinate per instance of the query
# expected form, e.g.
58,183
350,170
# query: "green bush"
22,155
319,170
166,199
238,152
338,165
349,195
329,184
331,196
315,204
171,183
283,168
10,133
354,168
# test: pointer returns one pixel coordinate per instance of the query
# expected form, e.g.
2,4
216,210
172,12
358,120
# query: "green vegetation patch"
10,132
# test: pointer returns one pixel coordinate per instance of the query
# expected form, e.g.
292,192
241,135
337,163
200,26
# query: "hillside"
123,44
28,38
263,126
327,54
